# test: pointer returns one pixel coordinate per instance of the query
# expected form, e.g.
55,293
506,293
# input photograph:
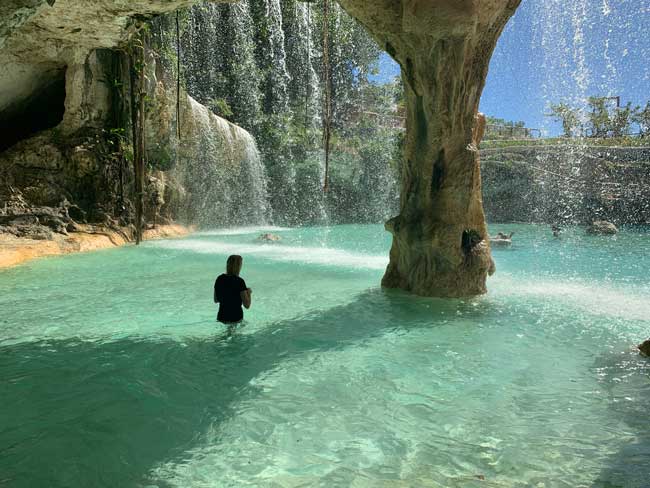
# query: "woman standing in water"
230,292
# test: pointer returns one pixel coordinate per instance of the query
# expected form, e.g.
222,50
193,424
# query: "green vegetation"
603,119
624,141
258,63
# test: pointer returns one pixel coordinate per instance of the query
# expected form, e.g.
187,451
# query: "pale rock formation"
213,158
602,227
39,39
211,166
440,245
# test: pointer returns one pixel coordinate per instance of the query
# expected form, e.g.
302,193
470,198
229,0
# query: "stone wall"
569,184
41,37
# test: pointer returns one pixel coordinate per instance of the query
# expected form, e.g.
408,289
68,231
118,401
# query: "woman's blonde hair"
233,265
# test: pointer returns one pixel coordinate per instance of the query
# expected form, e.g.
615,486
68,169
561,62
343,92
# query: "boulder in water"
644,348
602,227
501,239
268,237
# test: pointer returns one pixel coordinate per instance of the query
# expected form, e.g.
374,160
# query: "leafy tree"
568,116
620,121
599,118
641,117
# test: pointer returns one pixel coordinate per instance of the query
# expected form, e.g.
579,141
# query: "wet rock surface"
19,218
520,184
602,227
268,237
644,348
35,222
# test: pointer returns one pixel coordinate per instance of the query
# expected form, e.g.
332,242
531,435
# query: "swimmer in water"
230,292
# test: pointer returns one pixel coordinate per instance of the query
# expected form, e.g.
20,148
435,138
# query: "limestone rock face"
64,119
194,179
440,242
602,227
41,39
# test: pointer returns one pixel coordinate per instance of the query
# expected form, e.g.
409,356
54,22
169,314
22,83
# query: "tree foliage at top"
602,118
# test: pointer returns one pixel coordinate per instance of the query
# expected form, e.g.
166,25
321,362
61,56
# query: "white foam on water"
611,300
235,231
278,252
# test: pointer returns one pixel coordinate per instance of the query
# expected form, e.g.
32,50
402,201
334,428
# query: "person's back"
231,293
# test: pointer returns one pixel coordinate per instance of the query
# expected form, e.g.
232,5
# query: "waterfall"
304,99
561,30
304,88
273,58
257,63
220,170
585,58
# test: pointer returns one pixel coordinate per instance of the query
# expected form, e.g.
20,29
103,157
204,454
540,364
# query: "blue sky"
565,50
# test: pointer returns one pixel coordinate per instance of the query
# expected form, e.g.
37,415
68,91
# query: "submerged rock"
644,348
602,227
501,239
269,237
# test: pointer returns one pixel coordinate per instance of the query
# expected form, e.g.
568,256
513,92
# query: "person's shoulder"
221,277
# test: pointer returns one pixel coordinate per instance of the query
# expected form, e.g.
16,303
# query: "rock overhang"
41,37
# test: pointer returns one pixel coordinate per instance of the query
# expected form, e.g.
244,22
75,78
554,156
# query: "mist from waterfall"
258,63
222,173
575,55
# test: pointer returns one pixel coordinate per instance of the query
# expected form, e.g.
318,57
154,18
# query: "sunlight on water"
279,252
604,299
119,375
233,231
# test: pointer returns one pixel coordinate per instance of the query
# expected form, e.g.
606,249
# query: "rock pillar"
87,92
440,243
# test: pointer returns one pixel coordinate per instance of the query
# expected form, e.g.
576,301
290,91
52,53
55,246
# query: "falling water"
561,30
257,63
222,172
577,50
304,89
274,60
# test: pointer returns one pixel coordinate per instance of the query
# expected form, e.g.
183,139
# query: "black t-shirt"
227,291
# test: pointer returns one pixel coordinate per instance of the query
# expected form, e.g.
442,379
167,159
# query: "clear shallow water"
114,373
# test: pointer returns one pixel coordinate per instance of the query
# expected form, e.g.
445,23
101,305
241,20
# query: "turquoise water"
114,372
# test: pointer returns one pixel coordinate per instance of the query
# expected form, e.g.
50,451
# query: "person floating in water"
556,230
230,292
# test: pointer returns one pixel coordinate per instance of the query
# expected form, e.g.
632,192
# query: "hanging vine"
308,70
327,102
138,96
178,78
